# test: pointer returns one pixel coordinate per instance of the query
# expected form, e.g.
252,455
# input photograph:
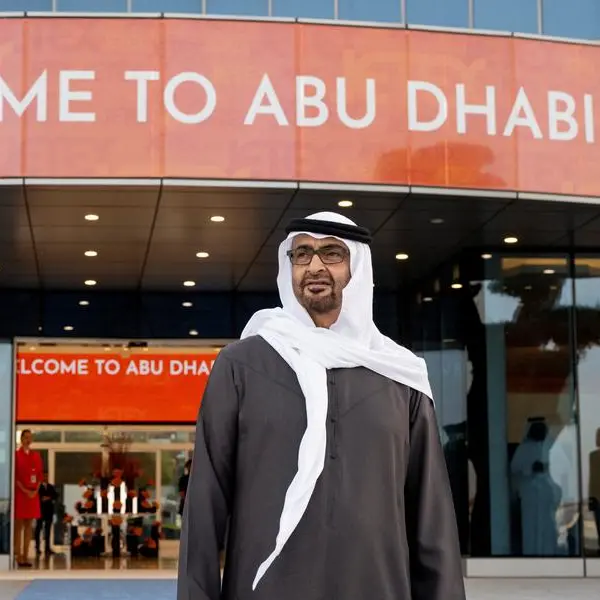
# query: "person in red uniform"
28,477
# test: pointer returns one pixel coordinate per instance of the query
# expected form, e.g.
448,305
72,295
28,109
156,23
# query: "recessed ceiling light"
345,203
92,217
511,240
91,253
549,271
202,254
32,348
193,332
189,283
437,221
486,256
90,282
428,299
187,304
401,256
68,328
457,286
84,303
217,219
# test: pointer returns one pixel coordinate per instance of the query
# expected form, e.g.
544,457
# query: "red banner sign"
109,387
184,98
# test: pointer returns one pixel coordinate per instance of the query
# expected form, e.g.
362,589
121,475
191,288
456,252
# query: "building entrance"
72,457
114,424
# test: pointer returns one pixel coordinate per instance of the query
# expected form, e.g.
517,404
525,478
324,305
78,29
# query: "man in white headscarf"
317,446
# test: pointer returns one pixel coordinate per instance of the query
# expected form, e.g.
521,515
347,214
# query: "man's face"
26,439
318,285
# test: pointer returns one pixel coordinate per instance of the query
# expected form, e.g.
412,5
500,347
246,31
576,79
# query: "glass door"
70,469
587,303
172,482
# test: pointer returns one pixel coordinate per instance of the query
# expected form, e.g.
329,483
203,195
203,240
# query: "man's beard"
320,304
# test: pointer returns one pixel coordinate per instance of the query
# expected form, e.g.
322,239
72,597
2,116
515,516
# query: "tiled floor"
109,589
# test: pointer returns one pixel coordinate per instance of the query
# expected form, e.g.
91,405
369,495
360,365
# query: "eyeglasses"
329,255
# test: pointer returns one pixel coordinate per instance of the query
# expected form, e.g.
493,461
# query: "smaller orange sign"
111,387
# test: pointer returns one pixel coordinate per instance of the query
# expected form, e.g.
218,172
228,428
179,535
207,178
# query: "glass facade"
587,335
578,19
190,7
258,8
506,15
368,10
146,315
91,6
316,9
6,377
440,13
510,342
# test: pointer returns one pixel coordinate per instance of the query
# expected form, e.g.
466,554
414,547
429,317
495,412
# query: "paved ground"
126,589
533,589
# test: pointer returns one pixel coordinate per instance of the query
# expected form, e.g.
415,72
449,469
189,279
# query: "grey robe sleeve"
435,558
210,489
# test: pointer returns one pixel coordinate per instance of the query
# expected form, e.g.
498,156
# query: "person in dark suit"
183,485
48,497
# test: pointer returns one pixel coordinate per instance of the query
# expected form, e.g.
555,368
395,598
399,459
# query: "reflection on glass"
316,9
436,338
255,8
145,466
26,5
531,409
172,480
576,19
83,436
587,303
45,437
442,13
190,7
370,10
506,15
105,6
70,468
6,448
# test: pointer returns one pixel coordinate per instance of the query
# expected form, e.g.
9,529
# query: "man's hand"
32,493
